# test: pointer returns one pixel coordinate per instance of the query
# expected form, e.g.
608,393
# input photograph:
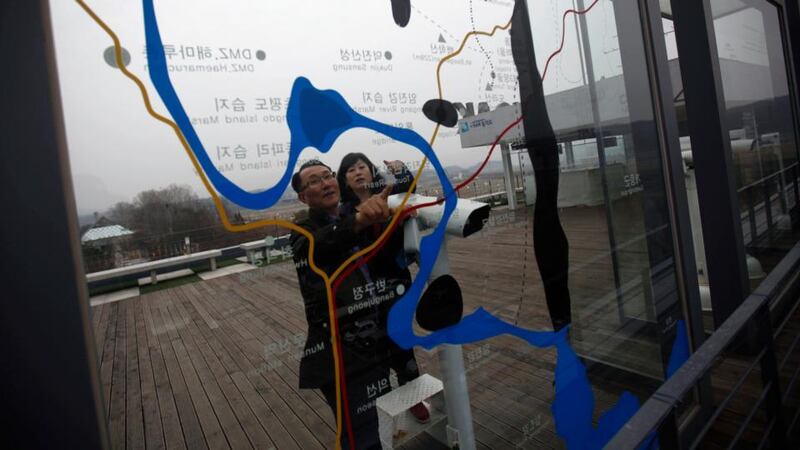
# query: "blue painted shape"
680,349
159,75
324,115
316,118
574,405
574,401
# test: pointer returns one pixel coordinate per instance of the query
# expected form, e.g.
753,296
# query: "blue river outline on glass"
316,118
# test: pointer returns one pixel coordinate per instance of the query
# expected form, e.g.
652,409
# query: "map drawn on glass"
318,115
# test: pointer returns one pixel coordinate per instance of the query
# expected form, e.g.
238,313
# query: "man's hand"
374,209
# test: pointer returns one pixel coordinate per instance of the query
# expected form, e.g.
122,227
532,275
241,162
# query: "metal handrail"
728,399
668,396
747,420
786,184
768,177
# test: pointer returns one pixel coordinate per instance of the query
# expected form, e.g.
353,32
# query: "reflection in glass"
611,195
759,119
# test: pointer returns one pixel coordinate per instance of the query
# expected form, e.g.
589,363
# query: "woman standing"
359,179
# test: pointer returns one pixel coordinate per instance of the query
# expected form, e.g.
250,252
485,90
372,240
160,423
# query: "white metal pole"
454,377
508,174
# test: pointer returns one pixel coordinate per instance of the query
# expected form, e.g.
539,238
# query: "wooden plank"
275,398
521,407
287,369
216,401
170,421
190,425
253,346
94,314
254,388
116,413
212,429
99,328
516,372
281,324
424,441
491,439
478,413
278,418
528,428
107,362
484,418
517,404
277,329
210,322
152,336
154,433
134,421
225,398
255,432
279,318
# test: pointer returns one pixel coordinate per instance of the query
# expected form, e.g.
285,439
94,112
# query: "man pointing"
336,238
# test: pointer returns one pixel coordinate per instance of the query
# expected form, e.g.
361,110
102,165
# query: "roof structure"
106,232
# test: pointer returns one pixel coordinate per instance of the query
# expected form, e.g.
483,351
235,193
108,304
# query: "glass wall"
612,194
760,121
238,296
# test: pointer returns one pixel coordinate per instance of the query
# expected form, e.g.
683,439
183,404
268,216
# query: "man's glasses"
316,181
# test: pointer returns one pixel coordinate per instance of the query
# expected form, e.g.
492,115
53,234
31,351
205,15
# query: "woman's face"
358,175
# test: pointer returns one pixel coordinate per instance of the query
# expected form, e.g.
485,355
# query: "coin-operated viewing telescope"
442,305
468,217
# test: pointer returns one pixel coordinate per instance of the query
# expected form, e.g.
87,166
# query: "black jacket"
361,315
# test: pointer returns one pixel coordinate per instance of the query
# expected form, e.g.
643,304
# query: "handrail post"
770,377
751,212
767,205
782,190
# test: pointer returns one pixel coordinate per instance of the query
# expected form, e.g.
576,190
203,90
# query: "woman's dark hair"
349,160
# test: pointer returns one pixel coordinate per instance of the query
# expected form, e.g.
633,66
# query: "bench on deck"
253,247
277,247
153,266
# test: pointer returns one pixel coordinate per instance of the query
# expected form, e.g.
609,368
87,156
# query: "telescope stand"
460,432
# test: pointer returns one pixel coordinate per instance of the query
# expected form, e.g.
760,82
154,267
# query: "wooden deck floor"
186,367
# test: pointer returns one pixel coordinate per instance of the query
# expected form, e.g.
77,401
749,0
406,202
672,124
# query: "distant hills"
456,173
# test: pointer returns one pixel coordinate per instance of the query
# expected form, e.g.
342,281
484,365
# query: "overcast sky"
117,150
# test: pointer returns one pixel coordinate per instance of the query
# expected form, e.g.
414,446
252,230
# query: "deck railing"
752,326
760,195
